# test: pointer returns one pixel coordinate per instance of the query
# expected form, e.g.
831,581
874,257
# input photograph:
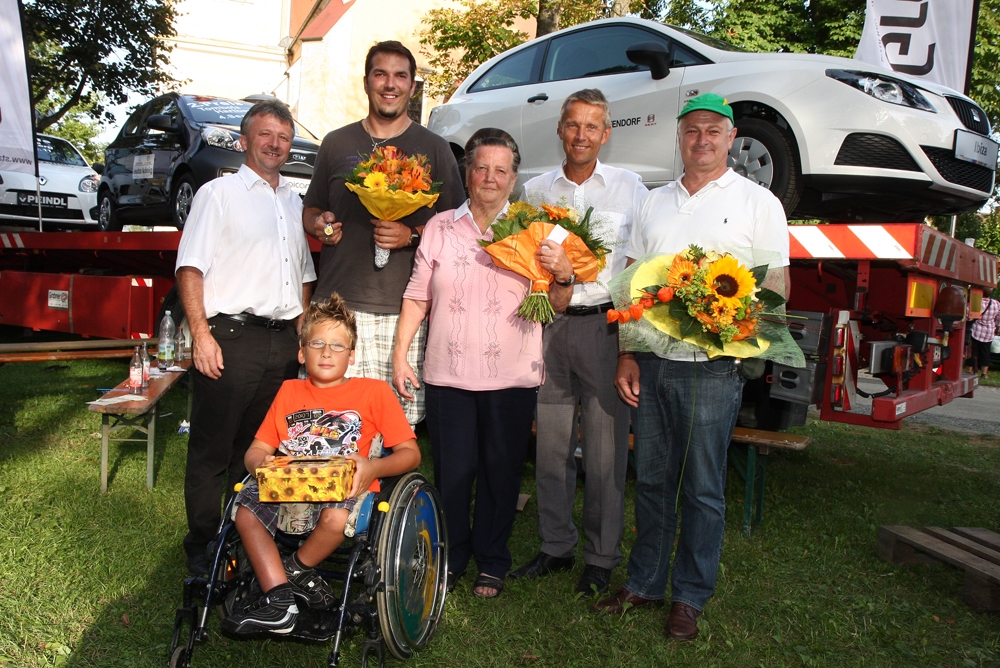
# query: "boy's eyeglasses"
319,344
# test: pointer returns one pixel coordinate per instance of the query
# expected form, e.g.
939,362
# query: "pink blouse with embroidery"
475,339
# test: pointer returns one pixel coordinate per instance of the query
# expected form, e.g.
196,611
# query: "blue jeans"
678,399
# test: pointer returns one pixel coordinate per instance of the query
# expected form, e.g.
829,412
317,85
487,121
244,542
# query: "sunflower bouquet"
392,185
707,299
517,237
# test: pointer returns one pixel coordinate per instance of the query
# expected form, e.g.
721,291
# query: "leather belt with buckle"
251,319
589,310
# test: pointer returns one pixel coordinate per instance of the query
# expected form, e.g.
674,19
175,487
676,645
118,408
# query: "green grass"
93,580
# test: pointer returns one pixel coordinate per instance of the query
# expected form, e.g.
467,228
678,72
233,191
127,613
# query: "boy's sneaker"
308,585
274,611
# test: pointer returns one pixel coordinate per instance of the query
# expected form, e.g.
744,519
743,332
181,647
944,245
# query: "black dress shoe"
542,564
595,580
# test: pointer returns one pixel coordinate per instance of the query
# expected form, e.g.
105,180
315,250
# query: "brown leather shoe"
682,624
615,604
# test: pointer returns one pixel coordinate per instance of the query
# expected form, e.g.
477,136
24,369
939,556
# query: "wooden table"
139,415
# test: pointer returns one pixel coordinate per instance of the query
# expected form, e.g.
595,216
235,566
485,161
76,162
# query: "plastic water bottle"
165,350
145,365
180,344
135,372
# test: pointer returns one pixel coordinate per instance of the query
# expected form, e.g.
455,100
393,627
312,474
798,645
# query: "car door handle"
541,97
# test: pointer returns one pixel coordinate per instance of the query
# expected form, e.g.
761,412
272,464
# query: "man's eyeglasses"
319,344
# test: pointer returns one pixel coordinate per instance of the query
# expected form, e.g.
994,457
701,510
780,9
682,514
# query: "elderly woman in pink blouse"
482,366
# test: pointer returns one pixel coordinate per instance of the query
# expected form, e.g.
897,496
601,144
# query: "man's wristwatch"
414,239
566,284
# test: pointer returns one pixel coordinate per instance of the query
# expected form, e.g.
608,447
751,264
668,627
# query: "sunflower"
681,272
729,281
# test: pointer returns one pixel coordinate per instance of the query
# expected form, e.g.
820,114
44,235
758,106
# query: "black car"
172,145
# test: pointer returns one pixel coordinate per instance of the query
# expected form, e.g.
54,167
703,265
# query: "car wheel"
765,154
107,216
183,194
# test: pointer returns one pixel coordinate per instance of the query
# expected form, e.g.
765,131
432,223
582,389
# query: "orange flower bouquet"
706,299
392,185
519,234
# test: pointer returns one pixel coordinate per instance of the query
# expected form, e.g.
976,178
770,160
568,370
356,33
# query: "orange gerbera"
722,314
681,272
555,212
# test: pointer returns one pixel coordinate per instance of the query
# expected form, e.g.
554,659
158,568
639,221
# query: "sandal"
453,579
489,582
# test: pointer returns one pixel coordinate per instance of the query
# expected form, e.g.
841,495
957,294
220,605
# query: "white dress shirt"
615,194
247,240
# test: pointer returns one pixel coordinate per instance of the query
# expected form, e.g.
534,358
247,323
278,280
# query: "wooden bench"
139,415
974,550
58,351
751,463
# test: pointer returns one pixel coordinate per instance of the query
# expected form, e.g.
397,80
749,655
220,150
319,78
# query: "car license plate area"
299,186
976,148
48,200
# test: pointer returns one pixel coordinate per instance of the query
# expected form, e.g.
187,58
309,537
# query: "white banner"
929,39
16,151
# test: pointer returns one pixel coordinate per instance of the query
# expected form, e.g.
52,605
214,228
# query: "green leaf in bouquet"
689,326
714,339
770,298
759,273
678,310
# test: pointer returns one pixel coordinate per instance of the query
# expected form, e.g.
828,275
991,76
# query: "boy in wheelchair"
325,415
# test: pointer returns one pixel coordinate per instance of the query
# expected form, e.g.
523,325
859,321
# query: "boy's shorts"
293,518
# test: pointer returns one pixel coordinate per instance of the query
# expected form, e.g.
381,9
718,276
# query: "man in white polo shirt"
244,271
581,350
687,405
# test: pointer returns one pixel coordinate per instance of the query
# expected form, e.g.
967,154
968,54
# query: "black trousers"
481,438
226,415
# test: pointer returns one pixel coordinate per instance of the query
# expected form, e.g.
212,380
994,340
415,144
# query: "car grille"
309,158
959,171
862,149
971,116
32,212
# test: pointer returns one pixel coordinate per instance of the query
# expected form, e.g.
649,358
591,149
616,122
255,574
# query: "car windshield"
223,111
708,41
59,151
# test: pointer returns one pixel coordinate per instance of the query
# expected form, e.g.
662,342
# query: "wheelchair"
394,577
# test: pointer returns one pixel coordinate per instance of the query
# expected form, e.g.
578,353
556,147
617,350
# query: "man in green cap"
687,404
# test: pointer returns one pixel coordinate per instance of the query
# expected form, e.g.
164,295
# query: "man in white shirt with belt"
244,271
580,351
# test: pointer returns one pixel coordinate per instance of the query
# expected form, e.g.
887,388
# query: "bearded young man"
335,216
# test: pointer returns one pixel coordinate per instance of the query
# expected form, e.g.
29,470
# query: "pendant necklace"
376,143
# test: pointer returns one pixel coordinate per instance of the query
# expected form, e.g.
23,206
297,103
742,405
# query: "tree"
89,54
78,127
457,41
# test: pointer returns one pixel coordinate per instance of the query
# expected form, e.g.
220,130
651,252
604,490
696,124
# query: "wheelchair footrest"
318,625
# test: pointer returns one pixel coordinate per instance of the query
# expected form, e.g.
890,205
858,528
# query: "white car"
831,137
68,187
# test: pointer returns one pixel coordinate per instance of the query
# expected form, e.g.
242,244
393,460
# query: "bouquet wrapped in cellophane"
517,237
699,300
392,185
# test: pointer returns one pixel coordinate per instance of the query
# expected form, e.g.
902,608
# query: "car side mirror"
161,122
654,55
98,167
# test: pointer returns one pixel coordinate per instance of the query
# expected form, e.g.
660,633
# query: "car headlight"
221,138
88,184
883,88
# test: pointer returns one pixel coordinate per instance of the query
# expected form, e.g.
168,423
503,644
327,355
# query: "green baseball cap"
708,102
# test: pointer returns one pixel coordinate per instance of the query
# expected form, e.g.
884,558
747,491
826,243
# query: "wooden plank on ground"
970,546
990,539
941,551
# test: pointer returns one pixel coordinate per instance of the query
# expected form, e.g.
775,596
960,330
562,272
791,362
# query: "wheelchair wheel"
413,558
238,585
